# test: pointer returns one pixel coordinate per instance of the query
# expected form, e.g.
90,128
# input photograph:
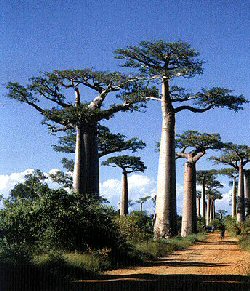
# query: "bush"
15,253
232,226
138,226
59,220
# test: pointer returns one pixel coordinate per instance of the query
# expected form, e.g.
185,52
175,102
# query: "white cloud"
7,182
139,186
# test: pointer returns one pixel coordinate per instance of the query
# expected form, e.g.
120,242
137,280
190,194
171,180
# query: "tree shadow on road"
149,282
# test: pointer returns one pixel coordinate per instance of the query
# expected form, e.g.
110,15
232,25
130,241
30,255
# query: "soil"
214,264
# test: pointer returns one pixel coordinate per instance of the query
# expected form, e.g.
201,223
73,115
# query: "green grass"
160,248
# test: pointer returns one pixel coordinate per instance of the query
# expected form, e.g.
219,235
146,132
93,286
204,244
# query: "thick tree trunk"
187,224
194,202
165,222
208,216
92,160
79,175
203,199
124,197
241,198
198,206
247,189
234,194
80,167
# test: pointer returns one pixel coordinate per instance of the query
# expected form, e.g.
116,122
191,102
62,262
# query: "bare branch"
193,109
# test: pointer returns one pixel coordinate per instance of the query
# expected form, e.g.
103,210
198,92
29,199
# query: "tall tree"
201,178
160,62
108,143
212,192
207,179
128,164
55,87
193,145
232,174
247,191
198,197
143,200
236,156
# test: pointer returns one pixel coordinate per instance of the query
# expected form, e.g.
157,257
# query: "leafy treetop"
128,164
160,60
233,155
53,88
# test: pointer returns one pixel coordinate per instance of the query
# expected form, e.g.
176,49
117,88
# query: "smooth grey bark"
234,198
247,189
80,167
194,202
203,198
241,198
124,196
208,214
166,218
187,224
79,175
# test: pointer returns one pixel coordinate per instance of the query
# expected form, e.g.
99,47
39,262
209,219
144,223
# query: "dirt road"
211,265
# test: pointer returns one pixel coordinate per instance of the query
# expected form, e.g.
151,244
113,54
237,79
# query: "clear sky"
46,35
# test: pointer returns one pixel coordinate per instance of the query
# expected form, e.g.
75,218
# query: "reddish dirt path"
211,265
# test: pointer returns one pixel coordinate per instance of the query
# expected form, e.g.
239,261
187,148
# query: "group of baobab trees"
154,67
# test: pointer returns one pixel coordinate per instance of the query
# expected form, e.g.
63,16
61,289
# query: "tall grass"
160,248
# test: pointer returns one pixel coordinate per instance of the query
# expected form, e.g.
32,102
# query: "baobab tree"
201,177
143,200
193,145
61,113
236,156
247,189
198,197
232,174
128,164
212,186
160,62
107,142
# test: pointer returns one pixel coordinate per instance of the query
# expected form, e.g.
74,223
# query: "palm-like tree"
193,145
236,156
160,62
128,164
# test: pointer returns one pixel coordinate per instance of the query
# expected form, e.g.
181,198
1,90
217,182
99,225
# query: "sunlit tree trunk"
203,199
79,175
194,201
208,216
124,197
247,189
187,225
241,198
165,223
234,195
80,167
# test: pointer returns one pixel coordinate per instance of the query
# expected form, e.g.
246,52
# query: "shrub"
138,226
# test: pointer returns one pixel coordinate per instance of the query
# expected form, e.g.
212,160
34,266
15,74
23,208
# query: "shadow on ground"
148,282
26,278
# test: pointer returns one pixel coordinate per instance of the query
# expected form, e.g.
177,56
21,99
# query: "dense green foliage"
56,219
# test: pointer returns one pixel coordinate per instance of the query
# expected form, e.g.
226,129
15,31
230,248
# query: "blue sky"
45,35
